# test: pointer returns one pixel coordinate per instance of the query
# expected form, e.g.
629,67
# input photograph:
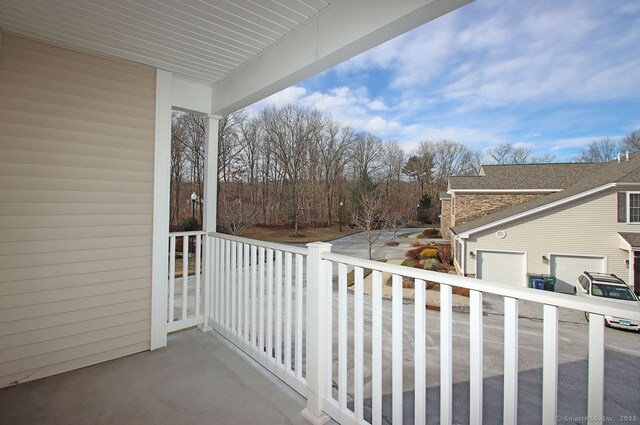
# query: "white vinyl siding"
586,227
76,198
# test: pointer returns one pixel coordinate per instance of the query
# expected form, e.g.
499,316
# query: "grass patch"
191,266
405,235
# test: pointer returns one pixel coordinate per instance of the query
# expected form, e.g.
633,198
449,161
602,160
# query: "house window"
634,207
628,207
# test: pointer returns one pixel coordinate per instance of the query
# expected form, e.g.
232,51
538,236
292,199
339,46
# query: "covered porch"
285,333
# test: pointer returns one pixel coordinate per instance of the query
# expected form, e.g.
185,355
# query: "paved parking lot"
622,358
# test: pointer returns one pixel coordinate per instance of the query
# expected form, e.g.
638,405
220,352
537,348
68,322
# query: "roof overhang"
504,190
238,52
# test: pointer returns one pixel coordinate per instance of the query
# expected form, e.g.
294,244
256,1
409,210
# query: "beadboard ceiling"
203,40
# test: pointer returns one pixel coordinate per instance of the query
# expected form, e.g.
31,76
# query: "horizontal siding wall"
76,198
586,227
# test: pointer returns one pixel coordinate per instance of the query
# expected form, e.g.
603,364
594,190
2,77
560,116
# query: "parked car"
609,286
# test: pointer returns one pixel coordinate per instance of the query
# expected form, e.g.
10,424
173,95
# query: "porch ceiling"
244,49
203,40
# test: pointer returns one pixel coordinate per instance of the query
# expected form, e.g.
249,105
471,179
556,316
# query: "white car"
612,288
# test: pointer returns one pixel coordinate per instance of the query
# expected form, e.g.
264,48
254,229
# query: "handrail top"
263,244
609,308
192,233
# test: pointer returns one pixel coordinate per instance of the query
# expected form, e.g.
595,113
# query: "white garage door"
567,268
503,267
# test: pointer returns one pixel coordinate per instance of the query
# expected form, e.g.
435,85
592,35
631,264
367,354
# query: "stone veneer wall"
445,219
469,206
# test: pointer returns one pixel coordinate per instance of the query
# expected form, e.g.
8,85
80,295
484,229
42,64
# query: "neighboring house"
591,225
501,186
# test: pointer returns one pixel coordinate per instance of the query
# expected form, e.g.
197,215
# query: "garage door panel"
502,267
567,268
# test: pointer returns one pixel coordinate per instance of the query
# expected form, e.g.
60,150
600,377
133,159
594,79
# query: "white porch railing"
185,291
250,283
258,302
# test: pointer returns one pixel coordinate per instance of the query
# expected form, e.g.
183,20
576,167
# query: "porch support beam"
343,30
161,182
210,207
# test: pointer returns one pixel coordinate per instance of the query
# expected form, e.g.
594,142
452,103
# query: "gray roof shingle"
555,176
610,172
632,239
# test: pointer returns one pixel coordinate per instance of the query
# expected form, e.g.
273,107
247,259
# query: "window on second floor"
628,207
634,207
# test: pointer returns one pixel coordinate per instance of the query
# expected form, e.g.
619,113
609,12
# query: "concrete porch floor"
197,379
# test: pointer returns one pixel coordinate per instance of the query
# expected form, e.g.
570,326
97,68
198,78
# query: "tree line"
296,166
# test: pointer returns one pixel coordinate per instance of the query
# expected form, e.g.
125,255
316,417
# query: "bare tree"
368,217
366,155
291,130
599,150
631,142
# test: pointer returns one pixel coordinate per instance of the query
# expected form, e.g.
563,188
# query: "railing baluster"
397,354
215,270
270,303
240,290
596,366
419,357
358,344
261,257
446,356
234,288
227,284
254,295
287,310
172,276
185,274
278,289
475,356
376,349
220,277
550,365
247,294
510,414
299,315
328,287
197,274
342,336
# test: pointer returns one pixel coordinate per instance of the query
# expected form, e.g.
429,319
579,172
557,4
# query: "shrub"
189,225
414,254
431,264
445,254
428,253
431,233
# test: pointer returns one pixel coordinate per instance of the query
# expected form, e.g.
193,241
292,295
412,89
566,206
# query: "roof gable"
609,175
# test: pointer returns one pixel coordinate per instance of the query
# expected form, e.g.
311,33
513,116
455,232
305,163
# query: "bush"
431,233
189,225
428,253
431,264
445,254
414,254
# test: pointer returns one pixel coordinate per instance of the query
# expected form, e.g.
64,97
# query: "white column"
210,208
316,324
161,182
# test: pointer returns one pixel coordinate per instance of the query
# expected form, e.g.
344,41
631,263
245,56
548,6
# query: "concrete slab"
198,379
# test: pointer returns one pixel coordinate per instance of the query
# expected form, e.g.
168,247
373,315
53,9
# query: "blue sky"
552,75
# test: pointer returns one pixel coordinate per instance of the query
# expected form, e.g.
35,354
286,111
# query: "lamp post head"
194,196
341,204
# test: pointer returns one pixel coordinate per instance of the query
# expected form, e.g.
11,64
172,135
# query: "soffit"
202,40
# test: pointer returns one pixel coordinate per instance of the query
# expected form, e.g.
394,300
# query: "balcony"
518,355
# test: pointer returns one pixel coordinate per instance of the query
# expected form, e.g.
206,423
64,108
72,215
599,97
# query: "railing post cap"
323,246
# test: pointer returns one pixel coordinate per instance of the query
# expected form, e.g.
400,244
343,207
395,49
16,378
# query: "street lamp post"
341,214
193,206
